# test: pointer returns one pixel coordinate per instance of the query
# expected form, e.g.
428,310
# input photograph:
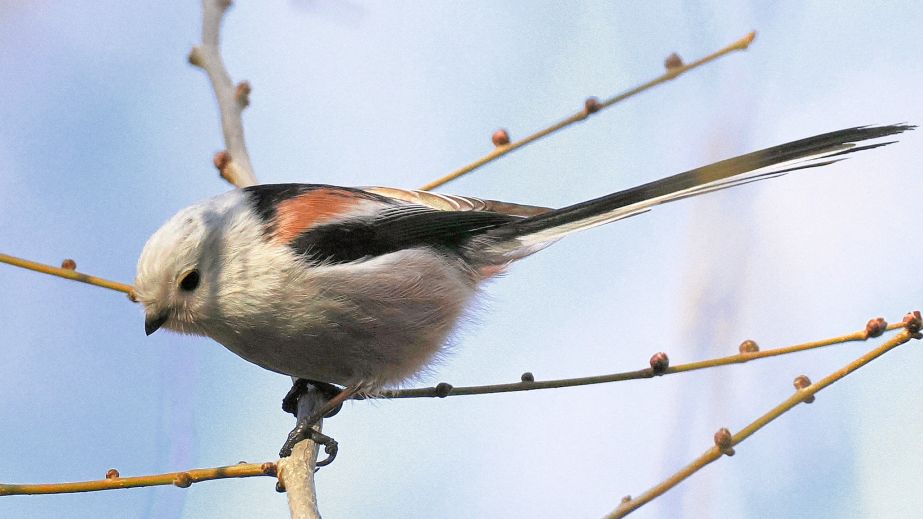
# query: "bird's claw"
304,431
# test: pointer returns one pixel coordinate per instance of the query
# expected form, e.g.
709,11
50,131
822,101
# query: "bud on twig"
801,382
659,363
242,94
724,441
749,346
591,105
500,137
673,62
875,327
443,389
69,264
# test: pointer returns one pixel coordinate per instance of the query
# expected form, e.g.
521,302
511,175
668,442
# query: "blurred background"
106,131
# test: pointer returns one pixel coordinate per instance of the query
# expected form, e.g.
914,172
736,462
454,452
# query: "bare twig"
67,273
675,68
181,479
804,392
749,352
233,164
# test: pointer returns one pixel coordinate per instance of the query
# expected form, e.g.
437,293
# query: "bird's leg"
290,401
304,428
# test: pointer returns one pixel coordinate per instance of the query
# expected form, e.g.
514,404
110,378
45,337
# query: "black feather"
833,144
394,229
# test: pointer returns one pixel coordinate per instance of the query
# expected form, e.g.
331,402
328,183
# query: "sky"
107,131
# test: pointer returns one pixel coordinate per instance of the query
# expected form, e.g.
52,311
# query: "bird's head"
176,271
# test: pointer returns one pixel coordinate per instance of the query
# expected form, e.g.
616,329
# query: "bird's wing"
455,202
337,225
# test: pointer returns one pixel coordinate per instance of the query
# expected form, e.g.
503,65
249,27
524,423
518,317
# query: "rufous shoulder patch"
298,214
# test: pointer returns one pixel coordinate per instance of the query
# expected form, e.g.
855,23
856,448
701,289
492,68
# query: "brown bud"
112,474
875,327
724,441
591,105
268,468
749,346
443,389
221,160
500,137
69,264
801,382
626,499
527,377
912,321
132,296
195,57
659,363
673,61
183,480
242,94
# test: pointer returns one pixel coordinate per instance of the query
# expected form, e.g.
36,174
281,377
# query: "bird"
362,287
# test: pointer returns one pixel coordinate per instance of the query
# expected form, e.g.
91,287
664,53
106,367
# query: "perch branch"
234,163
804,392
874,328
675,68
113,480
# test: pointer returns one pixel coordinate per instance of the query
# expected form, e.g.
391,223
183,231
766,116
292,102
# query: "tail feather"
521,238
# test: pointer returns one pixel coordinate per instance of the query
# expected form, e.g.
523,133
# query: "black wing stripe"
394,229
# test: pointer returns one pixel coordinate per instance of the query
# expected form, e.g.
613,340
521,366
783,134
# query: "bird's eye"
190,281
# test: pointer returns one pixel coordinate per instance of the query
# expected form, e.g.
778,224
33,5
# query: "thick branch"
234,164
675,68
296,472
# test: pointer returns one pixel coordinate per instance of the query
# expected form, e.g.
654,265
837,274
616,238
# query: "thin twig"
233,164
444,389
181,479
803,393
67,274
591,106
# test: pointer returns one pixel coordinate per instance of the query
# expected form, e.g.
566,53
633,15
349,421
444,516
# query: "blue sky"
107,131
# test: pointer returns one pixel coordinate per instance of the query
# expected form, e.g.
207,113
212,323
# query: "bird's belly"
374,326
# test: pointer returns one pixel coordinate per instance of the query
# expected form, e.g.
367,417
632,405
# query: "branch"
804,392
233,163
114,481
296,472
675,68
67,271
659,366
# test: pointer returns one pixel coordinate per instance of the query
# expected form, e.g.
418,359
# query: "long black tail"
521,238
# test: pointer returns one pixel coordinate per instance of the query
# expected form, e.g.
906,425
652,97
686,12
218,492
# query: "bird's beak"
153,323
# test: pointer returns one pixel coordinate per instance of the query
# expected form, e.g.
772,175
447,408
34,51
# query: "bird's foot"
304,429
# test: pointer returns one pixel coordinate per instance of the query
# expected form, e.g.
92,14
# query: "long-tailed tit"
361,287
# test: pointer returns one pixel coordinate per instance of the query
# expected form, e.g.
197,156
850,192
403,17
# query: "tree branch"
68,273
659,366
114,481
675,68
804,392
234,163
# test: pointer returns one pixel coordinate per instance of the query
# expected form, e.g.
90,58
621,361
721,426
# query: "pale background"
105,131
